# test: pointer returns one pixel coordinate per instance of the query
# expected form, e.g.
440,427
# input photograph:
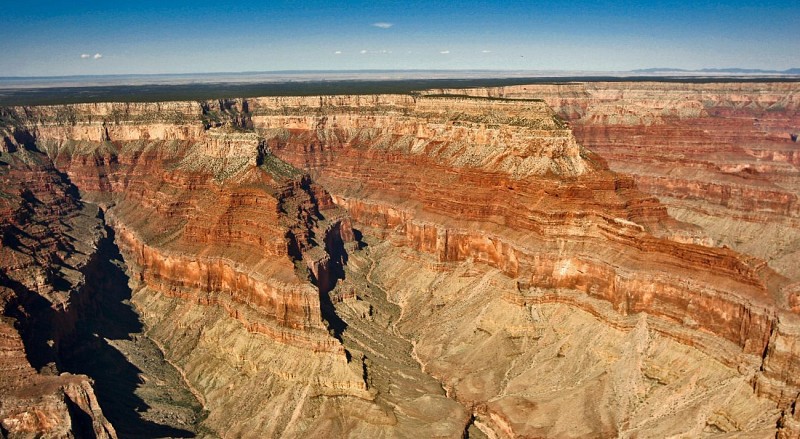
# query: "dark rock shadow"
81,421
105,314
338,257
359,236
335,323
34,317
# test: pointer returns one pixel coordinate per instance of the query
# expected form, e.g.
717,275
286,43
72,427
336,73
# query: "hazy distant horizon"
14,82
184,87
360,71
86,37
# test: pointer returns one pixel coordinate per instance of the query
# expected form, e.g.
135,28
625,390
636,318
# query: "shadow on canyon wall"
106,314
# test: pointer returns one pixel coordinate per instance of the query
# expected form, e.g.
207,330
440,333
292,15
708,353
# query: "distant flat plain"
190,87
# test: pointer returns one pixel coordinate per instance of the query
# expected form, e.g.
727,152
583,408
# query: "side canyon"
569,260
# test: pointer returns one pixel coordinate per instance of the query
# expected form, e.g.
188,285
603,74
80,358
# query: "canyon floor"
572,260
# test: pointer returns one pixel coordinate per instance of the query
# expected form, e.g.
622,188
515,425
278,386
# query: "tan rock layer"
494,181
599,244
46,237
285,313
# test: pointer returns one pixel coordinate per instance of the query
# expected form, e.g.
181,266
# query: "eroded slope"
721,155
506,281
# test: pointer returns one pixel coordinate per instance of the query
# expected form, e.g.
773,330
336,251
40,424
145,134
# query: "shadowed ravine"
390,366
140,393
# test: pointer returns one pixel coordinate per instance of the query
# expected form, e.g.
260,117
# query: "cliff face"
724,156
499,258
556,229
47,239
197,208
202,214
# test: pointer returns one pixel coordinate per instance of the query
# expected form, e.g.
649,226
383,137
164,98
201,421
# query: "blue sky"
47,38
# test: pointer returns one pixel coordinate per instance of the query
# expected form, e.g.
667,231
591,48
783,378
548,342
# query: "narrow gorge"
576,260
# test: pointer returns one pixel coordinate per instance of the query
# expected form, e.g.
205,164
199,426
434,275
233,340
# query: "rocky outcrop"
557,229
519,140
187,231
197,215
47,239
498,246
720,155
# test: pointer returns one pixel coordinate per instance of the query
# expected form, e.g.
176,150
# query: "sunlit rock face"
506,262
557,230
721,155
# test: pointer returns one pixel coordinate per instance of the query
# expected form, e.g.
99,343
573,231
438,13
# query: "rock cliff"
48,237
557,229
721,155
430,264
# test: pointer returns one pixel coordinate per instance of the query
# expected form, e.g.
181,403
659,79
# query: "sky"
55,38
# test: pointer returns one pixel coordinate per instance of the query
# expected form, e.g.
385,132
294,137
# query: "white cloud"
97,55
85,55
375,52
338,52
444,52
486,51
383,25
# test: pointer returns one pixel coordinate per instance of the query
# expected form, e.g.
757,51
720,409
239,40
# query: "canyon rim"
573,259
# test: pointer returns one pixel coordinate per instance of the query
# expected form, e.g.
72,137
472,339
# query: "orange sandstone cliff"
405,265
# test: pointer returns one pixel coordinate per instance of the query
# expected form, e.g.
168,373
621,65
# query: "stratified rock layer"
561,226
721,155
503,260
228,249
47,239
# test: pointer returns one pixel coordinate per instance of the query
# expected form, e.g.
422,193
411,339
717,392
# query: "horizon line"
651,70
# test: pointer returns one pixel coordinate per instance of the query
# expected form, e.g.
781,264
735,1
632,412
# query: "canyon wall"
202,214
565,224
47,240
721,155
494,216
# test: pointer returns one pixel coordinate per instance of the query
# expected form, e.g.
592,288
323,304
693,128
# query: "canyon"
551,260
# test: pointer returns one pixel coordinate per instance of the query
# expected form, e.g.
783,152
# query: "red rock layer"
726,150
40,230
591,231
193,237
